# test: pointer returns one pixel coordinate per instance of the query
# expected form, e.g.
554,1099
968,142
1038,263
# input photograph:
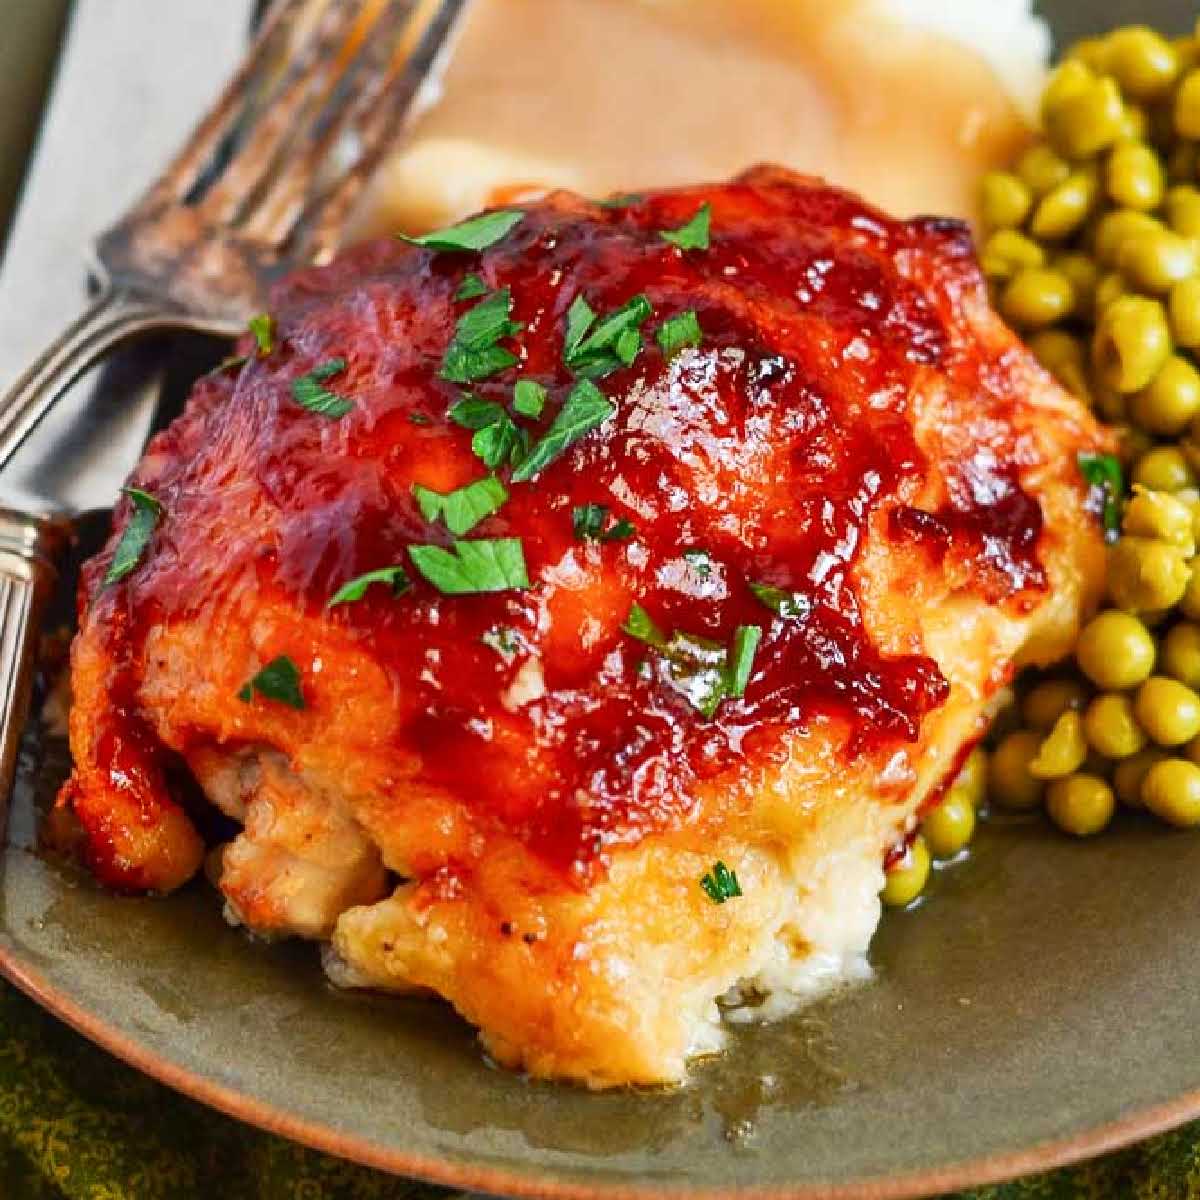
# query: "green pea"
971,780
1181,653
1170,401
1045,702
1159,515
1062,750
906,879
1171,791
1165,469
1010,783
1183,308
1115,651
1183,210
1134,177
1112,230
1130,772
1131,342
950,826
1081,805
1111,727
1156,261
1005,200
1035,297
1135,124
1064,209
1085,119
1142,61
1187,106
1146,575
1167,710
1040,169
1006,252
1189,602
1092,52
1084,276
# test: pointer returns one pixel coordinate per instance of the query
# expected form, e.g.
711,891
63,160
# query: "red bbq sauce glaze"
769,448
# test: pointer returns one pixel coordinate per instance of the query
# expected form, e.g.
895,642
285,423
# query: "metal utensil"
255,191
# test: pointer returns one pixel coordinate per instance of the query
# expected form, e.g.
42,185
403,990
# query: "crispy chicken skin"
506,797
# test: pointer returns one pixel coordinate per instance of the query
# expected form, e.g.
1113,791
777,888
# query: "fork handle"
115,315
29,551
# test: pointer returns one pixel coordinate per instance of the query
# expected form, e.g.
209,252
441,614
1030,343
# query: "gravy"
610,95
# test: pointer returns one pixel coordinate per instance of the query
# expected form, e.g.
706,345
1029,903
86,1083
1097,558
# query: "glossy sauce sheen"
772,448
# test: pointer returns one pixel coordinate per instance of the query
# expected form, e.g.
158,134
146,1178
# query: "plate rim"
501,1181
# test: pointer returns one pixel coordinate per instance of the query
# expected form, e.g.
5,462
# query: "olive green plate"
1038,1007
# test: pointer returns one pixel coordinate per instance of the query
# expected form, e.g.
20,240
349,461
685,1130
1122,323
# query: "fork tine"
277,209
313,71
322,221
181,175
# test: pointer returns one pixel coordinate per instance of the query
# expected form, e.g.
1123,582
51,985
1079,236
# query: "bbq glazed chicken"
573,611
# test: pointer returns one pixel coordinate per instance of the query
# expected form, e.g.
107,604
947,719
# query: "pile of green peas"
1092,253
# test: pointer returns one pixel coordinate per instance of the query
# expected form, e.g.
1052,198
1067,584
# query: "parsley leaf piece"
588,521
677,332
497,439
703,671
474,353
470,287
720,884
622,201
262,325
640,624
476,233
481,565
501,639
395,577
699,560
529,398
309,393
580,317
745,645
278,680
135,536
1104,471
586,407
463,508
595,346
783,604
693,235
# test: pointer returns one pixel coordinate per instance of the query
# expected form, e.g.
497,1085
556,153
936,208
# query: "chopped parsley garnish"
586,407
589,521
623,201
498,439
136,534
309,392
262,325
703,671
463,508
475,352
481,565
471,287
594,346
529,398
720,884
783,604
356,589
278,680
699,561
1104,471
476,233
678,332
693,235
501,639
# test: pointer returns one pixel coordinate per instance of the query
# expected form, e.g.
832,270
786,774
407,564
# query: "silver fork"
266,182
